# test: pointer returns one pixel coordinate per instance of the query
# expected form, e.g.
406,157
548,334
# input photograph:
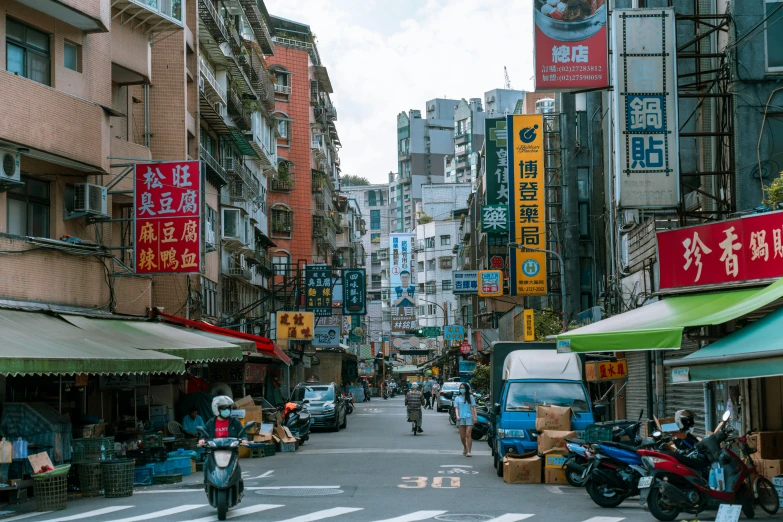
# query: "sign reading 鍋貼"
571,45
167,217
318,287
645,95
731,251
403,290
354,292
527,196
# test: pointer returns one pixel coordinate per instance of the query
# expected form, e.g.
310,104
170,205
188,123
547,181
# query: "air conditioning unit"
9,166
242,262
220,108
383,254
490,98
210,234
230,164
630,219
90,198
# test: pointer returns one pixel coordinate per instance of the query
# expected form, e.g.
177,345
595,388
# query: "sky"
385,57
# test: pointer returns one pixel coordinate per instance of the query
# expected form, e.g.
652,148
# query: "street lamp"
562,276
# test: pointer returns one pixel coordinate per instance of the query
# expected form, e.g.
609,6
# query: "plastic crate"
153,439
598,433
269,450
178,462
167,479
287,447
185,471
142,476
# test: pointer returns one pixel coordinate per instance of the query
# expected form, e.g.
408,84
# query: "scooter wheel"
605,497
658,508
222,504
575,479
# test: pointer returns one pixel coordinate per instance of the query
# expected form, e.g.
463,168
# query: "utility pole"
562,276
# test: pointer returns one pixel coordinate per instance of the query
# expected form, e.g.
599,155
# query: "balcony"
240,273
319,205
262,82
283,89
403,155
462,138
319,181
236,109
314,93
209,85
318,150
299,44
211,22
151,16
258,25
284,180
216,173
243,185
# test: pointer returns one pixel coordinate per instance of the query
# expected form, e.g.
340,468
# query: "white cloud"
384,59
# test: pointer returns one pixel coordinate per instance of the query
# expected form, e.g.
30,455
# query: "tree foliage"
480,380
350,180
774,193
424,219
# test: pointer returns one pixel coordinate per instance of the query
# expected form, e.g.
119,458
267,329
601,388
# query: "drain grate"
299,492
463,518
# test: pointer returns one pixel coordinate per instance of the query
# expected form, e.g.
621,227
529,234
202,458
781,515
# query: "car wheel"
498,464
345,421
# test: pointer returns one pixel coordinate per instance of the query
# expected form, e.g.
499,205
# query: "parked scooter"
679,483
348,399
297,419
222,476
579,452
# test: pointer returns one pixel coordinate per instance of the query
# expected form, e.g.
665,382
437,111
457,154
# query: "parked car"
325,404
446,394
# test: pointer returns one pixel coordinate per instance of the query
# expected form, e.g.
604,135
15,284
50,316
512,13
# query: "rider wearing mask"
223,425
686,420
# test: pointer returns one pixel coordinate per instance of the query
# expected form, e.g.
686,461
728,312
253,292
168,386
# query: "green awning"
247,346
151,336
659,326
40,344
749,353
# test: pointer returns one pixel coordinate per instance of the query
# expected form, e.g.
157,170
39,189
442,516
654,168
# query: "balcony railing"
214,86
281,185
319,204
236,109
282,89
151,16
213,165
212,21
320,181
258,25
242,273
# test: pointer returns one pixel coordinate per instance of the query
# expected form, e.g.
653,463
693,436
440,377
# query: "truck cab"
531,378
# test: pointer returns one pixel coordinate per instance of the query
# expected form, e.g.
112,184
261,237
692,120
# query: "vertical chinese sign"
527,204
571,45
645,103
318,290
167,217
355,291
494,214
403,290
295,326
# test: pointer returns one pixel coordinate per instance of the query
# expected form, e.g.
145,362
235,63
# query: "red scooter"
678,483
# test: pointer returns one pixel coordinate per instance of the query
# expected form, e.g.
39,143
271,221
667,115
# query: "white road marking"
157,491
418,515
398,451
510,517
234,513
320,515
604,519
256,488
95,513
456,466
163,513
554,489
26,515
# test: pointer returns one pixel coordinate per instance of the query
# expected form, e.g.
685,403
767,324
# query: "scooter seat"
580,442
620,445
687,461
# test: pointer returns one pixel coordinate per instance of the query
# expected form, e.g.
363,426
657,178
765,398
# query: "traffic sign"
464,348
453,333
430,331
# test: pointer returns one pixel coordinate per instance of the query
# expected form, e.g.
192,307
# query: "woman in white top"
465,406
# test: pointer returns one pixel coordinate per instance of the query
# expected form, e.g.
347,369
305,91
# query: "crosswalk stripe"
320,515
604,519
88,514
26,515
163,513
239,512
418,515
510,517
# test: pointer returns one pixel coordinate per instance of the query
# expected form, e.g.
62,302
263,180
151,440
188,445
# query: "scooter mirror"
202,431
726,415
657,434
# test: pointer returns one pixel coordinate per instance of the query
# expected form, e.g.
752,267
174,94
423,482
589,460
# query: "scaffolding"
554,169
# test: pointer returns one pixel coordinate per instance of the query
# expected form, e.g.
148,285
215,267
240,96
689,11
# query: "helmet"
415,385
221,400
685,419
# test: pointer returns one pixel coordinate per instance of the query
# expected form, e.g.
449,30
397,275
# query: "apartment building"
303,194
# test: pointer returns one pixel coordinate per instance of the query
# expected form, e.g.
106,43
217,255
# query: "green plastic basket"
598,433
51,489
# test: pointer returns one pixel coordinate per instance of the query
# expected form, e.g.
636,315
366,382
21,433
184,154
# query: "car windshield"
313,393
450,386
526,396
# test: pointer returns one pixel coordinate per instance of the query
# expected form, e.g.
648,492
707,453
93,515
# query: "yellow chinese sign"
606,371
529,325
295,326
527,203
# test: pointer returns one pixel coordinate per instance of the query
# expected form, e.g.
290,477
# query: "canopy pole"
101,392
135,409
60,406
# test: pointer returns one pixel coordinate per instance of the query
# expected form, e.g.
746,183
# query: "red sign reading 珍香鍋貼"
732,251
167,212
571,45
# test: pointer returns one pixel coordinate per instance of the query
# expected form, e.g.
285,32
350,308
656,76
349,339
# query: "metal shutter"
636,389
684,396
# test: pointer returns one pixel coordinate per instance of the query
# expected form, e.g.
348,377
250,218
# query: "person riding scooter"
222,425
413,401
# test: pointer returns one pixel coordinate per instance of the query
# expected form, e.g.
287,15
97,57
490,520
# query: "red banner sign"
733,251
571,45
167,213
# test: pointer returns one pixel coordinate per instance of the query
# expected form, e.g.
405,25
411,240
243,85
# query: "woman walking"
465,406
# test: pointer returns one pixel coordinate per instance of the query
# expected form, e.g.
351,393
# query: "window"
375,238
28,208
371,198
583,195
374,258
445,284
232,228
421,310
445,240
385,295
283,127
429,242
430,287
282,222
208,298
445,263
421,266
27,52
774,36
72,56
281,263
210,214
375,220
431,264
380,198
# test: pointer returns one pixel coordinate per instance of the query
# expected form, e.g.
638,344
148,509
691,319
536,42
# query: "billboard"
732,251
464,282
327,336
527,196
645,103
571,47
167,217
490,283
318,289
295,326
354,283
401,264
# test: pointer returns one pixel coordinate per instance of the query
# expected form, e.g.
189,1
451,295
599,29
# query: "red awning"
263,345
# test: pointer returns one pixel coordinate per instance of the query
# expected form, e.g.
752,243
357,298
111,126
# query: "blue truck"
524,376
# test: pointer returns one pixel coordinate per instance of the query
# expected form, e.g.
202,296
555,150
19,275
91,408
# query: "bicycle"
763,490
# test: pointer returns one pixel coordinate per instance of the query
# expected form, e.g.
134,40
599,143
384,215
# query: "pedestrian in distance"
427,393
192,422
435,393
465,406
413,400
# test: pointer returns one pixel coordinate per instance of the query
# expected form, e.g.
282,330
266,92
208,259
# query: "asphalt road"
375,470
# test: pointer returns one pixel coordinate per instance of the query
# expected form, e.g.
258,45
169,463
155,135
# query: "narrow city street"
375,470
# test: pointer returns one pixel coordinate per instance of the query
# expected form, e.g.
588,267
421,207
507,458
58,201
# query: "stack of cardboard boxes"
267,432
769,455
553,424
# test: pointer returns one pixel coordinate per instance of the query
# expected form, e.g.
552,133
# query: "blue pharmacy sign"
465,282
453,333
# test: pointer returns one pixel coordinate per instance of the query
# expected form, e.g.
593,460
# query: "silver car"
446,394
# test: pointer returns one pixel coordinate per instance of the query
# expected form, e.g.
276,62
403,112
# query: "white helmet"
221,400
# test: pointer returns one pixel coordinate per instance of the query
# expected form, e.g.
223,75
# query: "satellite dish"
221,388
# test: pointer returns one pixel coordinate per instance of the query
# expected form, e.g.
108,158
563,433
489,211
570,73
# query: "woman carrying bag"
465,407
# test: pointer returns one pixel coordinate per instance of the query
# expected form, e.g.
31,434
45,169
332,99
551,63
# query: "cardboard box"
554,441
245,402
554,460
262,437
254,413
553,418
555,476
769,444
517,470
770,468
